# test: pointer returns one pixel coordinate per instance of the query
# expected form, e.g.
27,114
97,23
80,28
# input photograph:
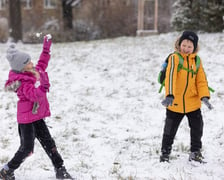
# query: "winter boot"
164,157
61,173
196,156
7,174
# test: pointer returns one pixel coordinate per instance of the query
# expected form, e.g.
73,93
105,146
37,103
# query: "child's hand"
48,36
168,101
207,103
47,43
44,81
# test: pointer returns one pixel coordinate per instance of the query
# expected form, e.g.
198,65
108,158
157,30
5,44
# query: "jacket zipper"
186,85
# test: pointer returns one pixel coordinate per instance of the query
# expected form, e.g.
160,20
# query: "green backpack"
162,73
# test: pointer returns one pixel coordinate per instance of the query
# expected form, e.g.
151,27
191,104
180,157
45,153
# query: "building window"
49,3
2,4
27,4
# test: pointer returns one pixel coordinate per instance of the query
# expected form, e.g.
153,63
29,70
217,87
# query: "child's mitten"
47,43
207,103
168,101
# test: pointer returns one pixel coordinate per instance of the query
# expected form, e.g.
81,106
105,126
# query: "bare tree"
67,13
15,20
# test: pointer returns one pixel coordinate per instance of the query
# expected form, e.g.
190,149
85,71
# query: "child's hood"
15,79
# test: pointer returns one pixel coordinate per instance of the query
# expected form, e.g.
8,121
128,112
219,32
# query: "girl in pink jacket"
31,85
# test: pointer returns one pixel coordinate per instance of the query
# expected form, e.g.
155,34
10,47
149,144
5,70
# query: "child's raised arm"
45,55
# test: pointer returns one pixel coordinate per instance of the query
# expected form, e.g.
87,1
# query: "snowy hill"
107,118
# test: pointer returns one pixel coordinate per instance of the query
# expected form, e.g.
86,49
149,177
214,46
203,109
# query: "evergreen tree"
203,15
212,16
185,16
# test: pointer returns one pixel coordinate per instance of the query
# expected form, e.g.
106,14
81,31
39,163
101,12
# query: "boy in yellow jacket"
185,89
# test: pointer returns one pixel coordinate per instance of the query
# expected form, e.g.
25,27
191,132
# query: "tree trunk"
67,14
15,20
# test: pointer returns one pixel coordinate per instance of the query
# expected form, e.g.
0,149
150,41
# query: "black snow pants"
172,122
28,133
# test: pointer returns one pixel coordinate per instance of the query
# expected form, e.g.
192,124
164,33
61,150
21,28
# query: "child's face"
28,67
186,46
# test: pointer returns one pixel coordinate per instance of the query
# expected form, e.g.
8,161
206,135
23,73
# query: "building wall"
105,18
39,19
92,19
118,17
164,16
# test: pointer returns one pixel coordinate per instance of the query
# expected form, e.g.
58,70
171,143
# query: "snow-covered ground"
107,118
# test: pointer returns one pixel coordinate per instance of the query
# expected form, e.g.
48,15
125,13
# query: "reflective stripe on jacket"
187,87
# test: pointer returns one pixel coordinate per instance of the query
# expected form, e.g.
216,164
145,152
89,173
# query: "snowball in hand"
48,36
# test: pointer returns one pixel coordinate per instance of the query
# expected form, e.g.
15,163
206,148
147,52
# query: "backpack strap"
197,62
181,61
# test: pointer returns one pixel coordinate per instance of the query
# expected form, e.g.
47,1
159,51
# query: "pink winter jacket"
28,94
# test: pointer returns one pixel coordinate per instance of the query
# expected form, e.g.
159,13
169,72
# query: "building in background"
71,20
37,16
112,18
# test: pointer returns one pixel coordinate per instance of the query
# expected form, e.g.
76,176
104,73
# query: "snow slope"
107,118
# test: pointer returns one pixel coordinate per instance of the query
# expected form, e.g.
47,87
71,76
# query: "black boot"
61,173
165,154
164,158
196,156
7,174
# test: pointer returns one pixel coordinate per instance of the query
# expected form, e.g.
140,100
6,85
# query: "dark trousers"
28,133
172,123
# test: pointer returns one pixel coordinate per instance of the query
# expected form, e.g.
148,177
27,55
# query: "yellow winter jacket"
187,88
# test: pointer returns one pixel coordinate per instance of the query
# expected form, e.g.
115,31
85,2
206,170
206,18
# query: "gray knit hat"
17,59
